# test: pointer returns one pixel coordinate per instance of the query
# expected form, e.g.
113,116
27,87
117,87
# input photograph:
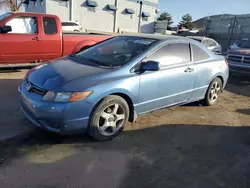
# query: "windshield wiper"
100,63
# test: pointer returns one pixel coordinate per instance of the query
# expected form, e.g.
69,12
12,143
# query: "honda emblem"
29,86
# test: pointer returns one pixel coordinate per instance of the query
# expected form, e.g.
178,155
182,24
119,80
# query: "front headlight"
66,96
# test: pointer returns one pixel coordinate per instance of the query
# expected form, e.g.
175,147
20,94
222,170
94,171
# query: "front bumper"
65,118
239,68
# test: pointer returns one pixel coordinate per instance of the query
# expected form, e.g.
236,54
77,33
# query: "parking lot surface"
187,146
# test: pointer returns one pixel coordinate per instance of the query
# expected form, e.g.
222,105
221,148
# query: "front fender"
98,97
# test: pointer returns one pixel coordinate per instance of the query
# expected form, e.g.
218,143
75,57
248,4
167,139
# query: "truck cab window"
23,25
49,25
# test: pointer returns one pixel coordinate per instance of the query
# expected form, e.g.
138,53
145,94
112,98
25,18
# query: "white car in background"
71,26
211,44
194,30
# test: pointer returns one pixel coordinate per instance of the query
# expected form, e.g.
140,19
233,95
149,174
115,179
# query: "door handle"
36,38
188,70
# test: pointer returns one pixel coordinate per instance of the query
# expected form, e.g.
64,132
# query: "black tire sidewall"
93,129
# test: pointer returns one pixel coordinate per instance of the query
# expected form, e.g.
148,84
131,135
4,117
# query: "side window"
171,54
23,25
49,25
199,54
75,24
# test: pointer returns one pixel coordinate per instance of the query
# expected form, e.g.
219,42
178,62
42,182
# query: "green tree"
186,21
165,16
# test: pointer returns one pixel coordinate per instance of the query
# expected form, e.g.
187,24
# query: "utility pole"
140,15
71,17
115,17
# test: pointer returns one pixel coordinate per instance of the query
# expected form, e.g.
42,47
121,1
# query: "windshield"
245,44
116,51
2,17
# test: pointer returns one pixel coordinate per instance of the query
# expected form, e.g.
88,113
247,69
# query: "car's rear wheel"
214,90
108,118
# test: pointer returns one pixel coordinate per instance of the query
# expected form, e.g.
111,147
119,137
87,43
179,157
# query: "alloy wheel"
215,92
111,119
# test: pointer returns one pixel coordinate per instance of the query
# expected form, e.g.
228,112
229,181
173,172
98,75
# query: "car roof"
32,13
155,36
199,37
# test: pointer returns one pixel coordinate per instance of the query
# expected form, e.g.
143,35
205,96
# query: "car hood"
240,51
51,75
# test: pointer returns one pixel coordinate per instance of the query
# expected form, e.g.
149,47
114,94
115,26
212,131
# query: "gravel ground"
187,146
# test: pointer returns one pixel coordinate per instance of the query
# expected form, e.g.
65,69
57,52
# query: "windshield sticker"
145,42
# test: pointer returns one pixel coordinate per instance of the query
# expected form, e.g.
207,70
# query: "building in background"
226,29
102,15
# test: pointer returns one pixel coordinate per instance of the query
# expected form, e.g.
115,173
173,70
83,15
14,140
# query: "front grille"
239,69
35,89
246,60
235,58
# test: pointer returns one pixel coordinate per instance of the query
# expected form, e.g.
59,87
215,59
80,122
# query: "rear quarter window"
199,54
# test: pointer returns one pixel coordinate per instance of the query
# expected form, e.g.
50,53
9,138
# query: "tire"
215,89
105,121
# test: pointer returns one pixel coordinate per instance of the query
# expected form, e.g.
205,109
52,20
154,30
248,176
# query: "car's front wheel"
108,118
214,90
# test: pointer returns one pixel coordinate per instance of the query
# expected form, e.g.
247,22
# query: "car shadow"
244,111
239,85
162,156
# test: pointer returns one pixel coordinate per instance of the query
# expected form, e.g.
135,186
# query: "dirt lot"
188,146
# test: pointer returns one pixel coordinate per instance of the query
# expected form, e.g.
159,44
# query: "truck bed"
75,41
87,33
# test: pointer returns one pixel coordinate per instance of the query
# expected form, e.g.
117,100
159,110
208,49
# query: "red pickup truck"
32,38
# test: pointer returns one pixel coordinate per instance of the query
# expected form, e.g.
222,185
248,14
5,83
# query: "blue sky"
200,8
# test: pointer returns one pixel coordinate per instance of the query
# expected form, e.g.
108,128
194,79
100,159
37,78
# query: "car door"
21,44
173,83
51,40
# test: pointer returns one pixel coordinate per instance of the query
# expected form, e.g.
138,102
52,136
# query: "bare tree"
13,5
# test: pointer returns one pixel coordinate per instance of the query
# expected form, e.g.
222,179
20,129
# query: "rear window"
199,54
209,43
49,25
245,44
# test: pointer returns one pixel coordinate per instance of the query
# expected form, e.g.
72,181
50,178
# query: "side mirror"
150,66
5,29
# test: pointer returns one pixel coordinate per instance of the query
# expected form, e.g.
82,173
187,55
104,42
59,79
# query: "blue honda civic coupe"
102,87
